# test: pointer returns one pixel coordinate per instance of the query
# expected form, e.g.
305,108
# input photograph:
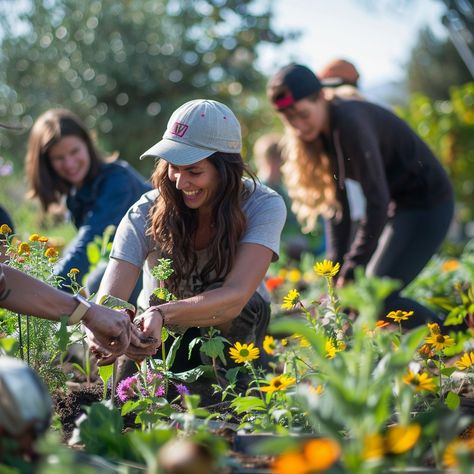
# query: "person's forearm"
26,295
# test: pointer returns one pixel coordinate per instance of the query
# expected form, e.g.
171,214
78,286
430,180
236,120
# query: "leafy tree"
448,127
441,59
124,66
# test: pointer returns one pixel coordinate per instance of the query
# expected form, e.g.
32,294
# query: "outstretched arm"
26,295
219,306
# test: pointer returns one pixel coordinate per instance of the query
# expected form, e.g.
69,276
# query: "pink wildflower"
152,377
125,388
160,391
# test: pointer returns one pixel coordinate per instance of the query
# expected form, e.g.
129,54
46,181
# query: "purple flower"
125,388
151,377
160,391
182,389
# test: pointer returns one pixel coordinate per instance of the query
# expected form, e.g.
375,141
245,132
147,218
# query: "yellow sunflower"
43,239
23,247
281,382
330,349
439,342
399,315
466,361
373,447
419,381
269,345
434,328
51,252
291,299
244,352
294,276
456,448
326,268
74,271
399,439
34,238
5,229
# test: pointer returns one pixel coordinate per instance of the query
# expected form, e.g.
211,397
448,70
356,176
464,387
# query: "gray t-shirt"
265,211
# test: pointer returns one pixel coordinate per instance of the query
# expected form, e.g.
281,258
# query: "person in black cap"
408,197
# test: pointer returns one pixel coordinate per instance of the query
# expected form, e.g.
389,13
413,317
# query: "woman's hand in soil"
112,330
149,324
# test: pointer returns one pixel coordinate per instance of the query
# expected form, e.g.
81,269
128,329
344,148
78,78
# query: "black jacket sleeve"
359,144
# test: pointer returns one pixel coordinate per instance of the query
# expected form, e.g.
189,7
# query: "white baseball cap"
195,131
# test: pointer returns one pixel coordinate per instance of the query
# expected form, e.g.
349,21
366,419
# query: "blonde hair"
307,171
308,176
346,91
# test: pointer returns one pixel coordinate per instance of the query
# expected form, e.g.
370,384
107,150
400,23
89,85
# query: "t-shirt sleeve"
131,242
266,215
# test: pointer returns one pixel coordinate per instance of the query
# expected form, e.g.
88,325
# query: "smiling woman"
63,162
221,231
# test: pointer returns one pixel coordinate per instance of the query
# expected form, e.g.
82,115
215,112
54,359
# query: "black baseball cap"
299,81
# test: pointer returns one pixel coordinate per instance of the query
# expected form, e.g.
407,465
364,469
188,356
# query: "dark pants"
407,243
250,326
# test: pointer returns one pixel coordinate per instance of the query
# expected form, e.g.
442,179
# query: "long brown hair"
173,225
49,128
307,171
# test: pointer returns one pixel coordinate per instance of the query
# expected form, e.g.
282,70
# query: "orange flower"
34,238
381,323
274,282
290,463
450,265
42,239
317,455
51,252
321,454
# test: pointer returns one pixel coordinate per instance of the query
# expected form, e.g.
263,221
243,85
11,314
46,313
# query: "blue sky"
376,35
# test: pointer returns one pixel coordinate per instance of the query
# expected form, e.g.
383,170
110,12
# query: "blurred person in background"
267,153
409,200
63,163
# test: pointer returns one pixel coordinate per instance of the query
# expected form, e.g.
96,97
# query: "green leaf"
105,372
248,404
195,341
452,400
170,357
93,253
193,374
448,371
212,348
116,303
63,336
9,345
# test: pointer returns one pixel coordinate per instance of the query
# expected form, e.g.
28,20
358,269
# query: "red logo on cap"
286,101
179,129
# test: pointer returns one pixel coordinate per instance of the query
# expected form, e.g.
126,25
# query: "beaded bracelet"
162,314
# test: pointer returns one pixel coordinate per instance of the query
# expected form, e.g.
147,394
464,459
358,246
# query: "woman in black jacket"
337,148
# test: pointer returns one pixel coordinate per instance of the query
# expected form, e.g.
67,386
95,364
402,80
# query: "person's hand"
149,323
102,354
111,329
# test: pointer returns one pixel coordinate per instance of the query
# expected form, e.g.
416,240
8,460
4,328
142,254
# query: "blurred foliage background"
124,66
